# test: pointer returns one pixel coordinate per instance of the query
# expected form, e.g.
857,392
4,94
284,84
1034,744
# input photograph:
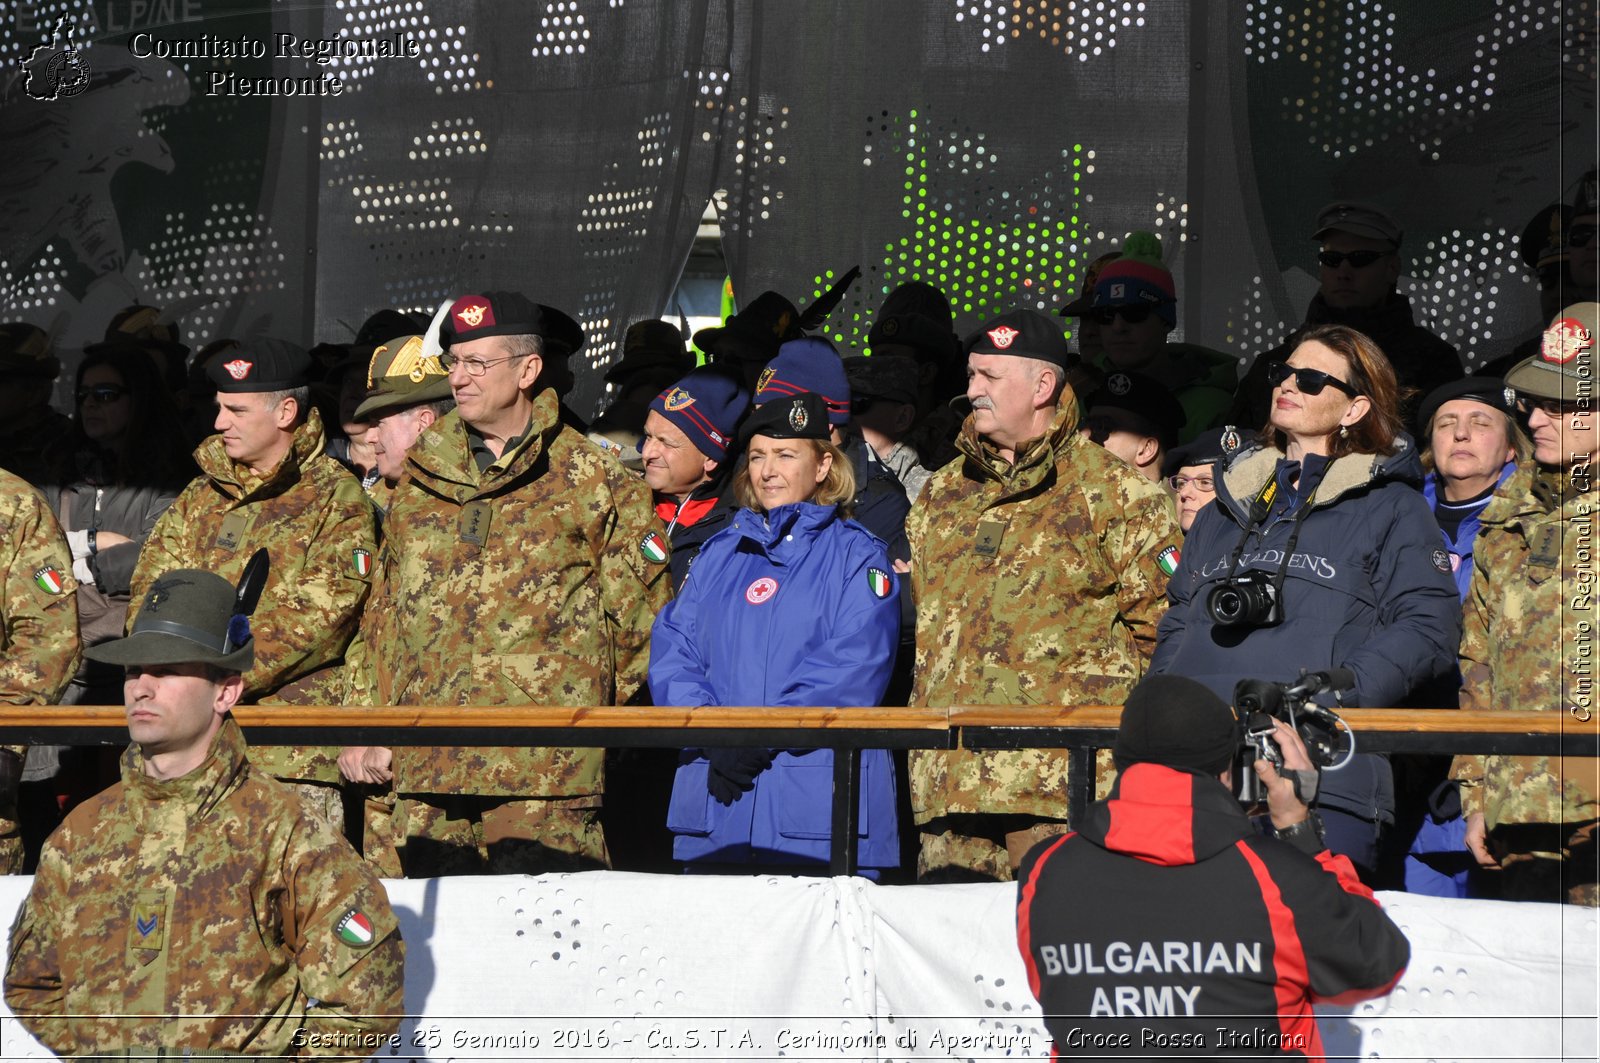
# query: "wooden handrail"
721,717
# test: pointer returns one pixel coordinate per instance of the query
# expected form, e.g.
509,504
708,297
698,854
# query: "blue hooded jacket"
1368,588
794,608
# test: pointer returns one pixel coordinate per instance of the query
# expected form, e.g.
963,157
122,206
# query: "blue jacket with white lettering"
1368,587
795,607
1126,964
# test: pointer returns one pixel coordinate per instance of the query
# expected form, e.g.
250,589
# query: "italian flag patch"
362,561
653,549
354,929
880,583
48,580
1168,560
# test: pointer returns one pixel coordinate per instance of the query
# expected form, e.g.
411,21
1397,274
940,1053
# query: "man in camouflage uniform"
1529,630
1036,569
38,630
197,907
266,483
520,566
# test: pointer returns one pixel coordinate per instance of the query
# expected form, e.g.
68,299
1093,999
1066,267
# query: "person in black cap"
792,604
1136,418
31,430
1360,263
653,358
749,339
266,482
883,408
915,322
1192,470
195,906
1168,925
524,567
1036,571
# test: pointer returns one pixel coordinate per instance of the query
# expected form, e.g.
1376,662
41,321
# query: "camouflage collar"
1034,459
236,481
1534,493
200,790
442,458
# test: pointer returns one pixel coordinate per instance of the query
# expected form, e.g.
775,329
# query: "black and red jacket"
1168,926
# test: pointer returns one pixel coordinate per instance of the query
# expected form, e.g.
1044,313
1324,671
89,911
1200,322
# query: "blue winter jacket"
794,608
1368,588
1460,547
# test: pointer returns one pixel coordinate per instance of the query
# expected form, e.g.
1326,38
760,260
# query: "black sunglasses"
1358,259
1133,313
1580,235
101,393
1308,381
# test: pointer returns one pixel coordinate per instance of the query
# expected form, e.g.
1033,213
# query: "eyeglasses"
1133,314
473,366
101,393
1548,407
1580,235
1308,381
1358,259
1201,483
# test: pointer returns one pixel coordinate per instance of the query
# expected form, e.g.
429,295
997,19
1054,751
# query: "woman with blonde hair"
792,604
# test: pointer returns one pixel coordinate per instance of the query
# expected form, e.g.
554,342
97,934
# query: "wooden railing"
846,731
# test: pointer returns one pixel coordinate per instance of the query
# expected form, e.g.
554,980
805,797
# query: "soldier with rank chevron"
520,566
267,483
198,907
38,629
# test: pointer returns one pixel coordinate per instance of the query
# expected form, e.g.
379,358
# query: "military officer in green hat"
197,906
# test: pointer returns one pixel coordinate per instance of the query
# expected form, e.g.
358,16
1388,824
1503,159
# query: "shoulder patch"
361,561
48,579
879,582
1441,561
354,929
1168,560
653,549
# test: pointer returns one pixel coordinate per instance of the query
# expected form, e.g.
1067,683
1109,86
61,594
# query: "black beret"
1147,399
260,363
472,317
1024,333
1489,390
802,416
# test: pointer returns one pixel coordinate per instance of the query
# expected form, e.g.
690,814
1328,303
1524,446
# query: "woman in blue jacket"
792,604
1324,522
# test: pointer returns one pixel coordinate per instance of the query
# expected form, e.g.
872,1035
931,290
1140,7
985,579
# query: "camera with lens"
1328,739
1250,600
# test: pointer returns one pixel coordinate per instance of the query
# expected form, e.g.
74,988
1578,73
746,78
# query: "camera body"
1250,600
1328,740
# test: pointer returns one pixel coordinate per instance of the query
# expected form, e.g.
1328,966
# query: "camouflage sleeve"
633,588
164,549
33,989
39,650
308,616
1134,542
1475,678
346,941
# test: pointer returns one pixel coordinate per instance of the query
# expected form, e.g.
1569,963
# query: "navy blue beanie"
808,364
707,405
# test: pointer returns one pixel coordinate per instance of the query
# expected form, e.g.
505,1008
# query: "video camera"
1328,739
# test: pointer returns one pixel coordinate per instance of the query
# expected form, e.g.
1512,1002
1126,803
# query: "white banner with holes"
609,965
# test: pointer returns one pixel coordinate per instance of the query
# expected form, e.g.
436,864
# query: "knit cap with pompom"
1138,277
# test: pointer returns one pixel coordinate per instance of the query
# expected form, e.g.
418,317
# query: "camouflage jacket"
38,618
525,584
1529,614
1035,582
318,527
205,912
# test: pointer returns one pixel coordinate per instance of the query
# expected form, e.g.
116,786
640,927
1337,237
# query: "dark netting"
568,149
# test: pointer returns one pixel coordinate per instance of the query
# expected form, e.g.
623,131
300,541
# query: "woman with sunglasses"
120,468
791,604
1320,553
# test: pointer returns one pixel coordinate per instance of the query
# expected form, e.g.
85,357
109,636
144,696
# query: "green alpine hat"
402,373
1564,367
187,618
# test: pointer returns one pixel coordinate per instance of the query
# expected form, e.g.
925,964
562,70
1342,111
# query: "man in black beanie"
1169,926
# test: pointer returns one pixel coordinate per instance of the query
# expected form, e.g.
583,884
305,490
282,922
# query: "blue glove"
733,771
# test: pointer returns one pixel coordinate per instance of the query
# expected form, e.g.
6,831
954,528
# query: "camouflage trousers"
381,837
463,834
980,847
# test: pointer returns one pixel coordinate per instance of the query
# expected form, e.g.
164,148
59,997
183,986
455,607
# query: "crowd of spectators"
1001,518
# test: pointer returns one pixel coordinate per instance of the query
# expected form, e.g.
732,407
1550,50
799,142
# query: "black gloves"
733,771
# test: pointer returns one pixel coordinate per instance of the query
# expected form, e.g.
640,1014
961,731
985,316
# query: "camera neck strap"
1260,509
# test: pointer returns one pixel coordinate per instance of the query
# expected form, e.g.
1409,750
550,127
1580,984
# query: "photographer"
1321,554
1168,926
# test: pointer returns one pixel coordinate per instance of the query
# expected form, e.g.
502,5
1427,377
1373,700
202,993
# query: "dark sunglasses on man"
1307,381
101,393
1580,235
1132,313
1358,259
